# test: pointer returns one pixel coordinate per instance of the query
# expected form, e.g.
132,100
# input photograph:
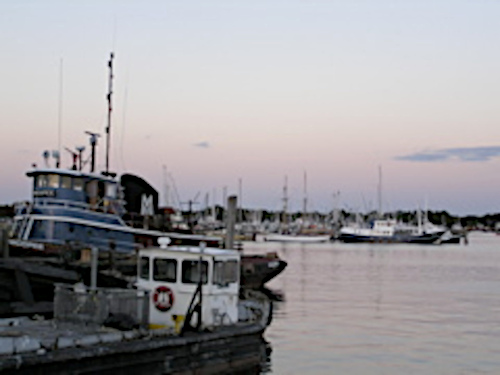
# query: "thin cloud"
466,154
203,144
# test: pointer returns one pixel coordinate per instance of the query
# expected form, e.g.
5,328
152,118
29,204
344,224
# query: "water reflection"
386,309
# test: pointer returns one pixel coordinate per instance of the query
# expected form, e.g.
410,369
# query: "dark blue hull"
428,238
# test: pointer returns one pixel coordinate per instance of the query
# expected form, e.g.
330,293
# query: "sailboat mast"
108,127
304,209
380,191
285,201
59,113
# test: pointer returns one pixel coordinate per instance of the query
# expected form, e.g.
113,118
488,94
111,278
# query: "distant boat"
275,237
289,233
389,231
452,238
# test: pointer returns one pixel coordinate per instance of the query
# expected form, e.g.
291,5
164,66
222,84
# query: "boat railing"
69,204
62,203
22,208
97,306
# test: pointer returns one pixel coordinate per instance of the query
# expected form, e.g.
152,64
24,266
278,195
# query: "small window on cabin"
92,189
100,189
144,268
165,270
111,190
66,182
231,271
225,272
41,181
53,180
78,184
191,272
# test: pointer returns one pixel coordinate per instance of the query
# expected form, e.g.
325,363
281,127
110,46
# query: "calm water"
386,309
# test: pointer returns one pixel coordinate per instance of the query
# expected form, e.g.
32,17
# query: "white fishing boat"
186,314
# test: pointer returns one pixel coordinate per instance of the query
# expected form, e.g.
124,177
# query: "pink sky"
256,91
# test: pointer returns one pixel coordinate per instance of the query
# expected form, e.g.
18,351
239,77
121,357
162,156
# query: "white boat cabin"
172,274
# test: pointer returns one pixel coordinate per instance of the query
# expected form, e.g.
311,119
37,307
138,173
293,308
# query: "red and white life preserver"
163,298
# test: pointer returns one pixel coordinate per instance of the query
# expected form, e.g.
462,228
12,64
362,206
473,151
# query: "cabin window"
41,181
165,270
111,190
78,184
225,272
66,182
100,189
144,268
92,192
191,274
53,180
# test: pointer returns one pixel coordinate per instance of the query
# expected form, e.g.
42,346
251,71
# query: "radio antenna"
108,127
59,112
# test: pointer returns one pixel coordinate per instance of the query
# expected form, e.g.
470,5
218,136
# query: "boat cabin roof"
68,172
189,252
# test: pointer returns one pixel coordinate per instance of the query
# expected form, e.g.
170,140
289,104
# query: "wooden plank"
21,308
44,270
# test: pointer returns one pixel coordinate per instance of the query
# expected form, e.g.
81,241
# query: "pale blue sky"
225,90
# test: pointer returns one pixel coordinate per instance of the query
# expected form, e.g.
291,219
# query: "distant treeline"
435,217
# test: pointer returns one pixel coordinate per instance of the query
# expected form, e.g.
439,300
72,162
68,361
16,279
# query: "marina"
189,188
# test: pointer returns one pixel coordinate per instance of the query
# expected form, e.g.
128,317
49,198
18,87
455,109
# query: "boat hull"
415,239
297,238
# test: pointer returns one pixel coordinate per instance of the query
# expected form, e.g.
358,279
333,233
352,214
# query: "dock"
46,347
132,330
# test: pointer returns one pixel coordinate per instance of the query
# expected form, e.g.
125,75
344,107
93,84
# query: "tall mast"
59,113
166,192
285,201
304,209
108,127
240,198
380,191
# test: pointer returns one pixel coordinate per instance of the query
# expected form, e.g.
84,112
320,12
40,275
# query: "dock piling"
231,220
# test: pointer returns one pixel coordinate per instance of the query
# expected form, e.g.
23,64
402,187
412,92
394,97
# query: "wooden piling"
230,221
4,245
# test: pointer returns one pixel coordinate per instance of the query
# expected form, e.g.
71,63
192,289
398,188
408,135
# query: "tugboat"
73,210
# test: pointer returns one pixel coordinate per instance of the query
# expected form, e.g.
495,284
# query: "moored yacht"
389,231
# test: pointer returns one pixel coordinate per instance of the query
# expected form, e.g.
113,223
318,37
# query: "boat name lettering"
44,193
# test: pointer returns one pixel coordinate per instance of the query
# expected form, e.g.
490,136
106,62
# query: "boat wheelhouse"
178,276
72,207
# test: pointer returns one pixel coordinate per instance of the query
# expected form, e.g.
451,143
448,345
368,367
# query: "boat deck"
47,346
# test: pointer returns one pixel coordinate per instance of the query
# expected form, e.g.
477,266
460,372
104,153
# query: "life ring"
163,298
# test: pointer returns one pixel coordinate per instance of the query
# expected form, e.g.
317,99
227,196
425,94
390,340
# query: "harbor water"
386,308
